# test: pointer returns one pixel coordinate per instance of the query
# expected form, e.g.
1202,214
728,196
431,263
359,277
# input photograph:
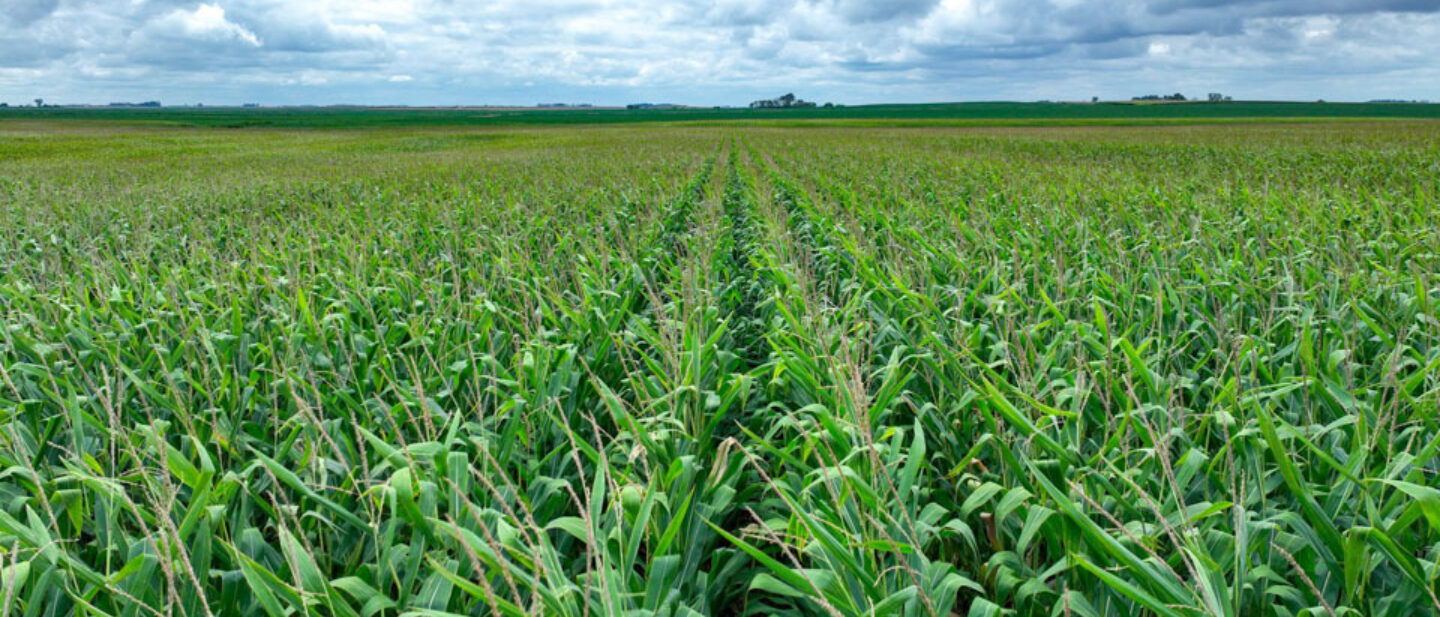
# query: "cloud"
25,12
866,11
746,12
206,22
719,51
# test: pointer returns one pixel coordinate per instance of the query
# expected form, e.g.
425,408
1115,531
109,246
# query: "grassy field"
671,370
963,114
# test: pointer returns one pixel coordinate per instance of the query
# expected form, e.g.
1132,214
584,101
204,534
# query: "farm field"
677,370
994,113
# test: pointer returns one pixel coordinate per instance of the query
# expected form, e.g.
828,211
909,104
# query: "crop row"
805,372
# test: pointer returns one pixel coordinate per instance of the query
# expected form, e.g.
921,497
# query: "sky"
725,52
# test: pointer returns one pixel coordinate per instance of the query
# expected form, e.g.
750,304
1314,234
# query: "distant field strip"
736,369
995,113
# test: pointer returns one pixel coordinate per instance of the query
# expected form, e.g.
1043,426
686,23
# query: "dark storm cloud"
445,51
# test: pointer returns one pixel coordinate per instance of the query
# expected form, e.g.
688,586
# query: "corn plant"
720,370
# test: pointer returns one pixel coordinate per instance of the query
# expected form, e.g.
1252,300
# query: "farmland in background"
936,114
430,369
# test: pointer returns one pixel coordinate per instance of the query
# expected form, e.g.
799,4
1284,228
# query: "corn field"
721,370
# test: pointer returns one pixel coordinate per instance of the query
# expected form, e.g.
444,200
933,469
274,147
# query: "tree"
1094,99
39,102
787,100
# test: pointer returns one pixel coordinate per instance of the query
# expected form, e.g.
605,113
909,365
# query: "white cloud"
723,51
207,21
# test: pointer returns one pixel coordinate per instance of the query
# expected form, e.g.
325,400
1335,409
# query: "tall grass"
696,372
